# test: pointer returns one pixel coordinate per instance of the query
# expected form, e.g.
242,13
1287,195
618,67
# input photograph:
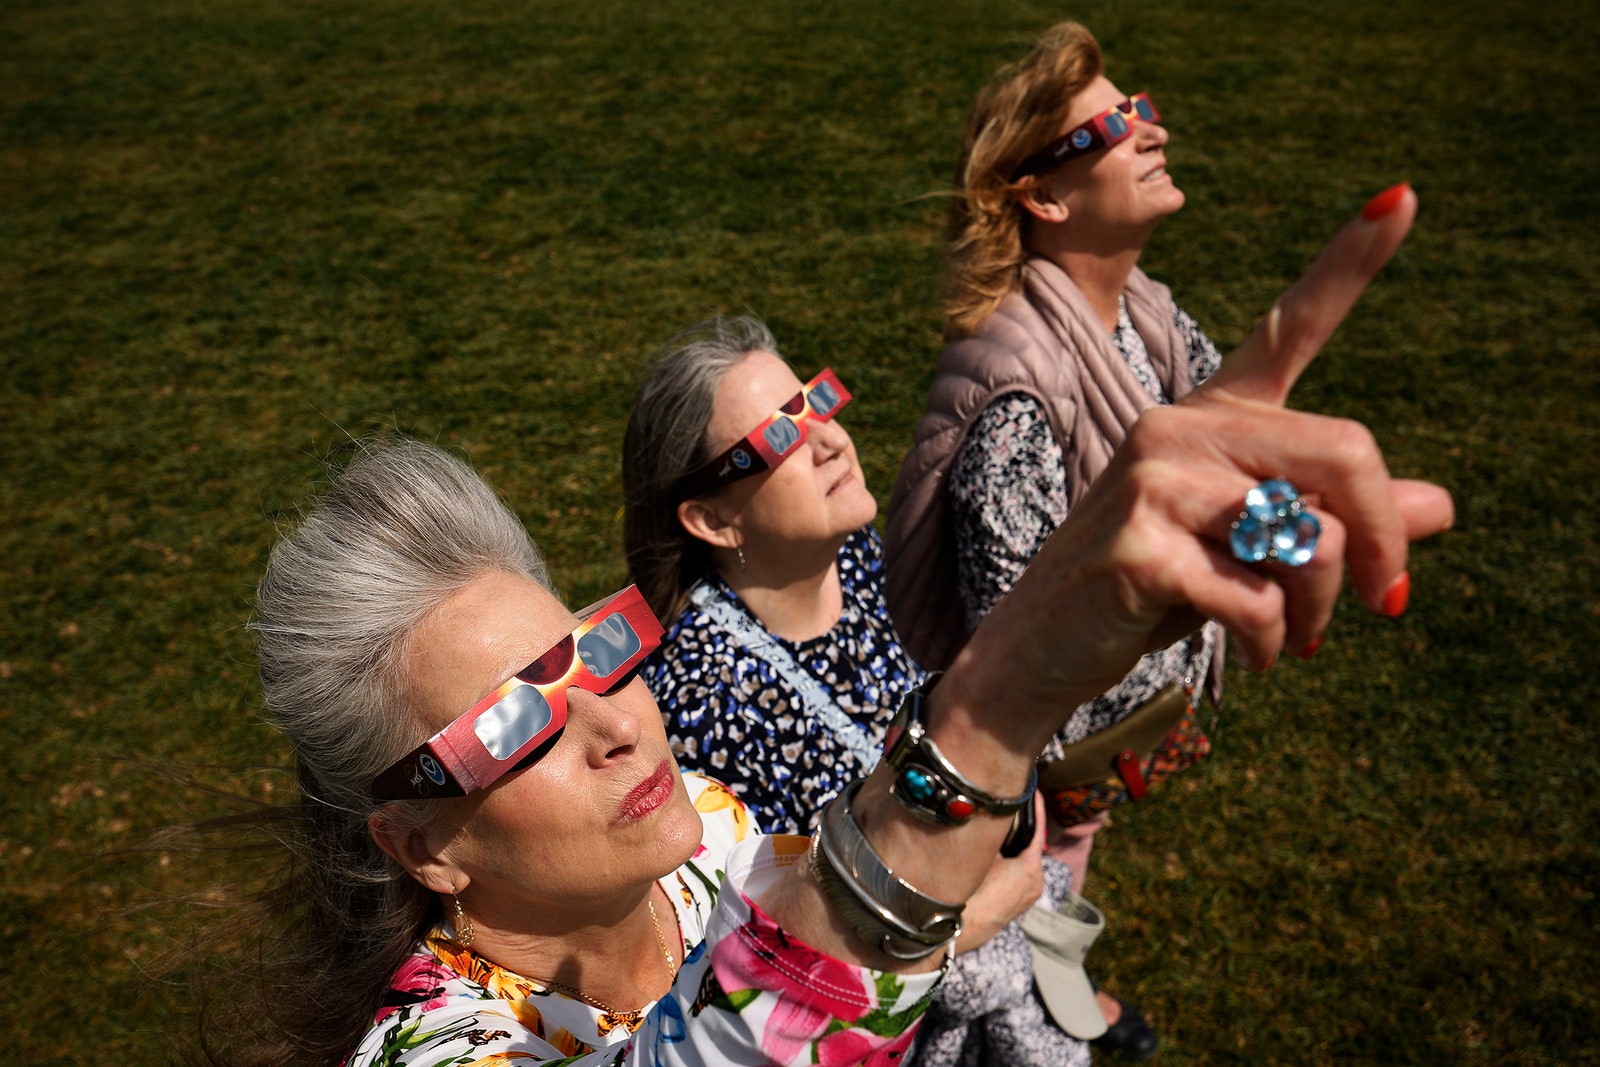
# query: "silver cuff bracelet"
887,912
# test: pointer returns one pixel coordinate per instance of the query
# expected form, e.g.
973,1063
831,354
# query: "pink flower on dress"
812,989
420,980
847,1048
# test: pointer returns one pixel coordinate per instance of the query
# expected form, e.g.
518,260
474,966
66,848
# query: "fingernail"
1311,647
1394,601
1263,667
1385,202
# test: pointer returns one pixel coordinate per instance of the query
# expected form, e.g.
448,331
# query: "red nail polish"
1264,667
1385,202
1394,601
1311,647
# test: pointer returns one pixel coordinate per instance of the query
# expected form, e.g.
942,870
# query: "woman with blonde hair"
1056,342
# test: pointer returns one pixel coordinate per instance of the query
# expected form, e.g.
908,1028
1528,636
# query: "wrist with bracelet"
886,911
926,784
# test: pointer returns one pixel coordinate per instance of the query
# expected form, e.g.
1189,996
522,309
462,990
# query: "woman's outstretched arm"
1145,559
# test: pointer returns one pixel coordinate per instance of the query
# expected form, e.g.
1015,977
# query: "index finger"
1284,343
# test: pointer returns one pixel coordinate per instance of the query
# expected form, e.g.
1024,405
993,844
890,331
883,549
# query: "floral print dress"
747,992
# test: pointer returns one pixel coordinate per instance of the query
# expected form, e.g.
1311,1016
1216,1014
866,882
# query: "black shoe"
1132,1037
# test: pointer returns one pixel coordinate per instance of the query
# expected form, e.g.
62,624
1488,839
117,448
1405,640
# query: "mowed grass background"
233,234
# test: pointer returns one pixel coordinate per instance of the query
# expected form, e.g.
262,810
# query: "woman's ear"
706,522
1044,202
408,846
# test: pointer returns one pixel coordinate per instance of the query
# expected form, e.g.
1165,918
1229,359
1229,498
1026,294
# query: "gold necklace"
672,964
611,1018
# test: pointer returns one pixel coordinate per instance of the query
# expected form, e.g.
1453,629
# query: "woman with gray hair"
780,671
762,563
495,858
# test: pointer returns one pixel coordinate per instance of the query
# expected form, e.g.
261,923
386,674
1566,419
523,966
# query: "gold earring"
465,931
740,549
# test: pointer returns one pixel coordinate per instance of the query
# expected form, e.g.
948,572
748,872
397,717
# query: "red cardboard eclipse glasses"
1112,126
774,440
519,722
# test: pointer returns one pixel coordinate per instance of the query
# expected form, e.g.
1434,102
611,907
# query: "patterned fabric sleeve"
1204,359
765,992
988,1010
1007,492
747,992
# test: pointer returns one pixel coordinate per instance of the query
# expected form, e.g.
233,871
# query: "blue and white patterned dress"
731,715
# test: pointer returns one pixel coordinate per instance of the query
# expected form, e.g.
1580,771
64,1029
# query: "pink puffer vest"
1047,342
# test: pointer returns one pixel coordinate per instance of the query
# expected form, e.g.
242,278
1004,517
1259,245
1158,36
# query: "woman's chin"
855,506
678,829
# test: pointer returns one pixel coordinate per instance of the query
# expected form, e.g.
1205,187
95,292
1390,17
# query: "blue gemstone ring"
1274,525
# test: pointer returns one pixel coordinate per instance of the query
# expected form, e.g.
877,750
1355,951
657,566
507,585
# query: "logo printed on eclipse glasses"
431,768
773,440
1081,138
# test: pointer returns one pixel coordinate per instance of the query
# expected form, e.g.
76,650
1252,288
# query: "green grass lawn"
234,234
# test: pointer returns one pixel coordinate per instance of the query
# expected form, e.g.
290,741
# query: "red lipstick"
649,795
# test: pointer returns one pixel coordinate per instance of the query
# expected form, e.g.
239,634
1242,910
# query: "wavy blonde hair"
1019,112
